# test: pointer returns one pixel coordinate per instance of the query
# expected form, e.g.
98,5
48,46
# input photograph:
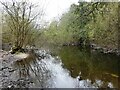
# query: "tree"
104,30
20,19
119,26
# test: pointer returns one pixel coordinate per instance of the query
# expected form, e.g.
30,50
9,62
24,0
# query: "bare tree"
20,19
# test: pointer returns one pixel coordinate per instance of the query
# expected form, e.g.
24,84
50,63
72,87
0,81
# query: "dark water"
92,64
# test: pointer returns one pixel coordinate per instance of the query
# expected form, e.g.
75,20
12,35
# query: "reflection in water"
92,64
48,72
34,69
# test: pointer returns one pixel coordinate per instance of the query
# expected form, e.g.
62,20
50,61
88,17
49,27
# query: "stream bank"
7,72
95,47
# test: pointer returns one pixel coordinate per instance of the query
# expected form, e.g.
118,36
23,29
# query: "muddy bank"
8,72
16,69
95,47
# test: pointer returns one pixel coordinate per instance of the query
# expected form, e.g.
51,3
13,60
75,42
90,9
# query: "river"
93,65
71,67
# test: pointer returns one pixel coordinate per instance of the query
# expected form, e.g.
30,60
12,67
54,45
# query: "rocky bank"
7,72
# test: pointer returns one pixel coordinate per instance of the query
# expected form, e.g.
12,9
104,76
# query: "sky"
54,8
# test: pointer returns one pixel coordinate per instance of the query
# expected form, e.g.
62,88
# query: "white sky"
54,8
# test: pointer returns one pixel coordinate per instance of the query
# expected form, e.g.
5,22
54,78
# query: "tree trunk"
119,26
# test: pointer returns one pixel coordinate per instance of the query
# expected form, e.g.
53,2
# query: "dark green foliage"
95,22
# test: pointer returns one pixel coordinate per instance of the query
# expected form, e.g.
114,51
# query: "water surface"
92,64
70,67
